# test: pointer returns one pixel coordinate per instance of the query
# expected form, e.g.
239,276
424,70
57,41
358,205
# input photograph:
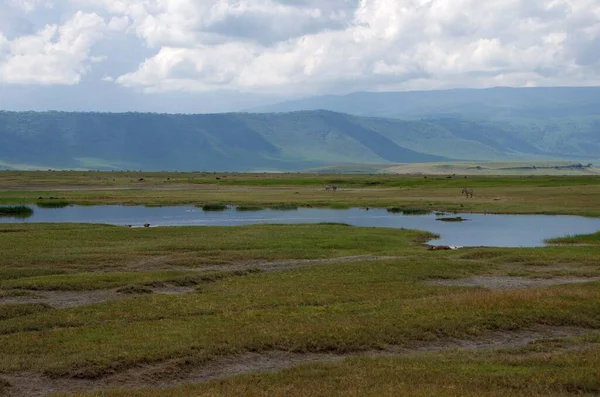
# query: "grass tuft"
53,203
135,290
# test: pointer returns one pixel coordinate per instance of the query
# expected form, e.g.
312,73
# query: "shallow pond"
478,230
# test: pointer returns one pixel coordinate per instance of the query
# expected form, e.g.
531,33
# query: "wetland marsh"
296,310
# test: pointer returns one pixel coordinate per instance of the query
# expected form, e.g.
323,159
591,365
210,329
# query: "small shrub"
452,219
16,211
339,206
408,211
285,207
214,207
415,211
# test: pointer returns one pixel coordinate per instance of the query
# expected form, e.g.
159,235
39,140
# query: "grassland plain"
576,195
376,294
326,309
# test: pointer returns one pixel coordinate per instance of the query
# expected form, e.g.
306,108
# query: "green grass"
334,307
592,239
49,250
548,373
574,195
8,311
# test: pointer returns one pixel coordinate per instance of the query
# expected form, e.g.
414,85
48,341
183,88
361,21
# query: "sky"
226,55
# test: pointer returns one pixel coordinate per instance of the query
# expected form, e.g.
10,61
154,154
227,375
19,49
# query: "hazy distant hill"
281,141
501,103
555,121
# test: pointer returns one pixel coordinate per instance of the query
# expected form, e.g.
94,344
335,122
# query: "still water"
479,230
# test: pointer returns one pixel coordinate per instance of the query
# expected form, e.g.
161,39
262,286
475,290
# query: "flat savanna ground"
577,195
295,310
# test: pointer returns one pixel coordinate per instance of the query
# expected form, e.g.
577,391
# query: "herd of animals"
468,192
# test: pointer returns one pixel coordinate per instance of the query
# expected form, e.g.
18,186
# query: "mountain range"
370,128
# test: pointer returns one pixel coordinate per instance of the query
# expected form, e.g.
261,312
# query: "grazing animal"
331,187
467,192
146,225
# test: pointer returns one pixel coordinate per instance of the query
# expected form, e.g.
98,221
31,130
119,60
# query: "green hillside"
269,142
228,142
548,121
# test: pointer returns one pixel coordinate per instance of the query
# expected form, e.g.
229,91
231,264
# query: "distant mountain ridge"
547,121
478,125
501,103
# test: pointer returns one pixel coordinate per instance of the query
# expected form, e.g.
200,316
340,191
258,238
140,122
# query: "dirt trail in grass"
162,263
287,264
68,299
172,373
508,282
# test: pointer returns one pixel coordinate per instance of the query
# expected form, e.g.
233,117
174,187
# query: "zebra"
467,192
331,187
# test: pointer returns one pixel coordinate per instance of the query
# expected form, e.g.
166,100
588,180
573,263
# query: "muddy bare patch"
173,373
65,299
69,299
168,263
508,283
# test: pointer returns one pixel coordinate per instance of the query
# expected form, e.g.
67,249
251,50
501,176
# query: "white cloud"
311,46
380,43
55,54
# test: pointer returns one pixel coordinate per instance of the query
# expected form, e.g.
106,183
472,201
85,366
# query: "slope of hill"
232,142
255,142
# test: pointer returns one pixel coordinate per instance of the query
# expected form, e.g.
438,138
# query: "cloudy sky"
220,55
